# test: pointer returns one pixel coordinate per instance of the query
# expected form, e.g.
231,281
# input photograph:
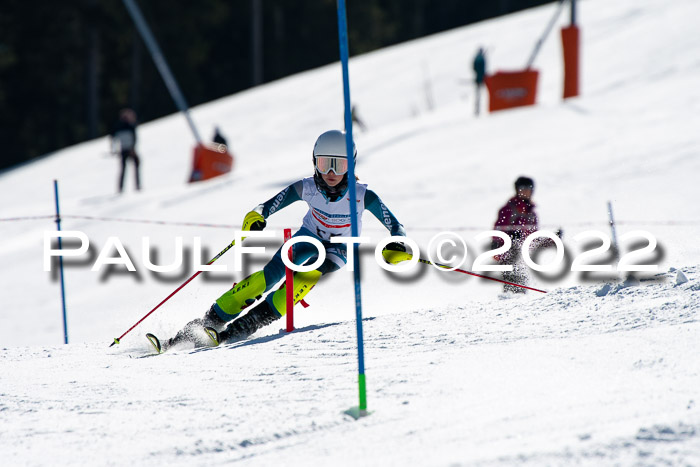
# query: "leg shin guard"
241,295
303,282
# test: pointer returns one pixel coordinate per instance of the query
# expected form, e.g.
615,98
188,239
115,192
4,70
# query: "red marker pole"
289,286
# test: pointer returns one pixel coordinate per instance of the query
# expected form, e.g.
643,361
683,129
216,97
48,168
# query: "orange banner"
508,89
210,161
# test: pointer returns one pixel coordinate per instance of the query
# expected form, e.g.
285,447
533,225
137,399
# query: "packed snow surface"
603,369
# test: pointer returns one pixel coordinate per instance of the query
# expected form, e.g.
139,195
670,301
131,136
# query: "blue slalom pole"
343,39
60,263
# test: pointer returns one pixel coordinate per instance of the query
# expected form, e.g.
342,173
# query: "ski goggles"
324,164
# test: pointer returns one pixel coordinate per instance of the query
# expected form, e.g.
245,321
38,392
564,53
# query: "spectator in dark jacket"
124,142
479,67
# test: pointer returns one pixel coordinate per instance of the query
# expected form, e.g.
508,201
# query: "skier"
326,194
517,218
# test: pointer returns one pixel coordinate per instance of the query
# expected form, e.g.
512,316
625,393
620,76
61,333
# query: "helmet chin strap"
331,192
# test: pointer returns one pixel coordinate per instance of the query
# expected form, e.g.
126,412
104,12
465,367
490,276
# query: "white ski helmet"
332,143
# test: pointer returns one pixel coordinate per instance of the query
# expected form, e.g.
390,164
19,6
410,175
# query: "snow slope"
597,371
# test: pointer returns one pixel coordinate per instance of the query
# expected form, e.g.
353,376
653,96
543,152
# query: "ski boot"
261,315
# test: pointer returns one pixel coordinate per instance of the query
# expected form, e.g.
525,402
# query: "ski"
155,342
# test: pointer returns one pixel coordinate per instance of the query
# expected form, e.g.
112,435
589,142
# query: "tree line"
67,67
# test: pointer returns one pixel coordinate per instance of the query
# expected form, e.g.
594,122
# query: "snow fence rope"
417,229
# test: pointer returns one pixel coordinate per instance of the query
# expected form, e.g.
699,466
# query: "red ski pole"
117,340
425,261
289,278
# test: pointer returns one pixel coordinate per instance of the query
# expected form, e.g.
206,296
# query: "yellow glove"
253,221
395,253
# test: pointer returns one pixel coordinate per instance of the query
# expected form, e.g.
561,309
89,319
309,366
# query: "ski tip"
154,342
213,335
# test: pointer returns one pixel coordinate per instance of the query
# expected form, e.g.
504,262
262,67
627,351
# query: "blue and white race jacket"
331,218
